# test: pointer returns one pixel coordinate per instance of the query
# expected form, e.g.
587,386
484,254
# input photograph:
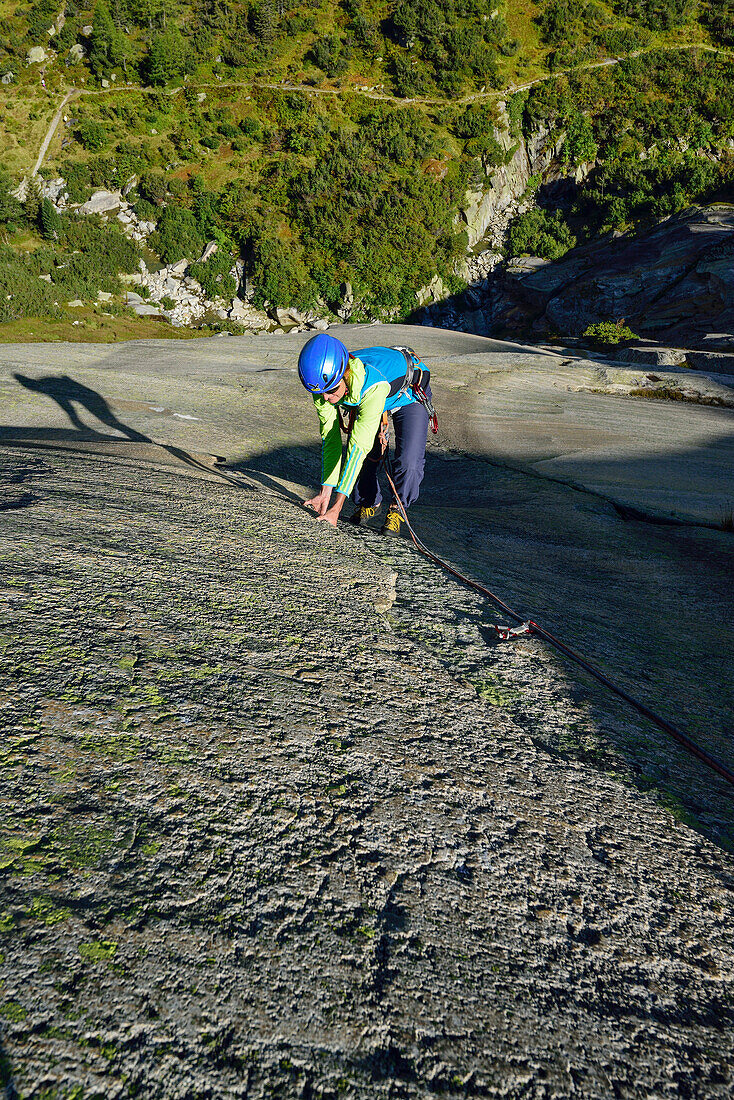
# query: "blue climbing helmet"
322,363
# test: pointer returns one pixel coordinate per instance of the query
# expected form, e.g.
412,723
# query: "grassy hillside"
330,142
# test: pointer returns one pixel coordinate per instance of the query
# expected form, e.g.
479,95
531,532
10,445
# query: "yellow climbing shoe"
362,515
391,526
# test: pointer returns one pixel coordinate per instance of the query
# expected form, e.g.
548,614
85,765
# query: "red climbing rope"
530,627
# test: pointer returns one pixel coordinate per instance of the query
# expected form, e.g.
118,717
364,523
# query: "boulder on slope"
101,202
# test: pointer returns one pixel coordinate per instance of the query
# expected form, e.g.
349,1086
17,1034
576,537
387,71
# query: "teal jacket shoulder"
385,365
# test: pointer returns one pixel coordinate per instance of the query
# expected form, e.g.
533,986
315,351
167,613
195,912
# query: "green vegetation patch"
12,1011
98,950
659,128
45,910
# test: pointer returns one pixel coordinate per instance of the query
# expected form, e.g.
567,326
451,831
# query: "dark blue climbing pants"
410,425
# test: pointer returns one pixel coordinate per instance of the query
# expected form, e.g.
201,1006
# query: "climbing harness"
528,626
416,379
347,415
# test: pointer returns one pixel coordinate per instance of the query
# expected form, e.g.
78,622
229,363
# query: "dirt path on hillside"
372,93
50,132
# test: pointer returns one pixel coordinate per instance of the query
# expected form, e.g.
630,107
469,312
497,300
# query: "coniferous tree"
168,56
49,220
108,42
265,21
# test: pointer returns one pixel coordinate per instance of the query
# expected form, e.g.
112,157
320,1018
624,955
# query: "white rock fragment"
209,250
101,202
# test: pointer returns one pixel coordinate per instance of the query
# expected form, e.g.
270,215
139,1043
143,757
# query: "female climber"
358,390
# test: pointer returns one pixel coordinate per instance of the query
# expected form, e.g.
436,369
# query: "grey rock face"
209,250
654,356
142,306
435,291
489,209
675,282
55,191
101,202
344,311
268,832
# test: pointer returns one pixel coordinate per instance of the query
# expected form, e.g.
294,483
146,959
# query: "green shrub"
609,332
177,235
94,255
40,17
251,127
78,182
49,221
280,274
169,57
719,18
93,135
167,302
329,54
109,46
579,145
214,275
22,293
658,15
153,187
476,121
11,211
146,211
488,150
540,233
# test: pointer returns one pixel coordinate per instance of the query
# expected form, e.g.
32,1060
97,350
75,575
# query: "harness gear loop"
425,401
384,433
416,379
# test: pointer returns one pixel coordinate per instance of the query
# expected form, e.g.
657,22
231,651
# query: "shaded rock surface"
278,817
673,283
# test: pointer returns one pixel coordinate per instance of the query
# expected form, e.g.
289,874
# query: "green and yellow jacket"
376,376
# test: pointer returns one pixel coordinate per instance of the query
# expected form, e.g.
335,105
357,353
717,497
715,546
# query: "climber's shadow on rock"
67,393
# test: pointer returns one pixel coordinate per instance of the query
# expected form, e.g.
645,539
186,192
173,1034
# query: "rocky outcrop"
190,303
192,306
674,283
36,56
488,209
434,291
101,202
